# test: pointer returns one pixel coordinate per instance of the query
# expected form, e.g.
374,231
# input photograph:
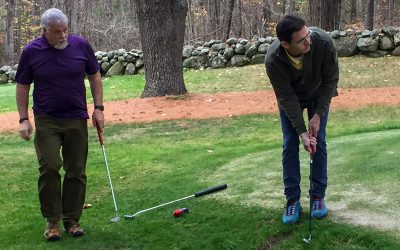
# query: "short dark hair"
288,25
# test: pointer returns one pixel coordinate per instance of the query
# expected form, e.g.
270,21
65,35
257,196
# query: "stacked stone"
239,52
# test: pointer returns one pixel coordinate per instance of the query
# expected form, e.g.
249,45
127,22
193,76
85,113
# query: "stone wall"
239,52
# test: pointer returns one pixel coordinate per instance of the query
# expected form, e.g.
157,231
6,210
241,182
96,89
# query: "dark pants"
291,162
61,143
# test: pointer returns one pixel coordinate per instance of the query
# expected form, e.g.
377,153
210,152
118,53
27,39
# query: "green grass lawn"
355,72
157,162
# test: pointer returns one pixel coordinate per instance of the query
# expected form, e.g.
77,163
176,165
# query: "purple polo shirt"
58,76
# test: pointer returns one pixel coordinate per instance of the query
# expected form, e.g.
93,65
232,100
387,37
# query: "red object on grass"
177,213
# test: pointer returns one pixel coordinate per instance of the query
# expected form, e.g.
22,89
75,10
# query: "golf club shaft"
310,193
162,205
100,134
197,194
109,179
308,241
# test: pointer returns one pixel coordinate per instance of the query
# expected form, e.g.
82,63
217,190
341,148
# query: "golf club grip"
211,190
99,134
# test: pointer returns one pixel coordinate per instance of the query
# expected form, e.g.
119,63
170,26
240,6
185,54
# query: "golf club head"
115,219
129,216
307,241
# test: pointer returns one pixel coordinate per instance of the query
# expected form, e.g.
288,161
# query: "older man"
57,64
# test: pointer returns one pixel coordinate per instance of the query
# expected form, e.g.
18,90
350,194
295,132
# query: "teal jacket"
315,84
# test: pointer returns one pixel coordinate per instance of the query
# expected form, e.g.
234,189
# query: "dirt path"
201,106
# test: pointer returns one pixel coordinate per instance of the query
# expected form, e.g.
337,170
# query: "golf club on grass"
99,133
198,194
308,240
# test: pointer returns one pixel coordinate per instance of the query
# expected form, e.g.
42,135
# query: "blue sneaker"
319,209
291,212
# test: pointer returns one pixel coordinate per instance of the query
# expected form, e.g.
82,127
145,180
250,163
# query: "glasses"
307,38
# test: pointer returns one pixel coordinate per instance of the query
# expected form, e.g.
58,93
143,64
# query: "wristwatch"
23,119
99,107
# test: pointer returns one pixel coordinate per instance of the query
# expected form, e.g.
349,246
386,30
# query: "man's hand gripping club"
309,139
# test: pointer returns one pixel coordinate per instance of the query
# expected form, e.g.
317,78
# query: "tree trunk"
109,10
19,13
72,12
338,18
204,20
353,11
292,7
9,36
162,28
325,14
369,15
84,9
266,10
283,8
391,11
214,13
189,33
315,13
228,18
240,22
121,8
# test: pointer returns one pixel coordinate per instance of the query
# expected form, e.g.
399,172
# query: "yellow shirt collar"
297,62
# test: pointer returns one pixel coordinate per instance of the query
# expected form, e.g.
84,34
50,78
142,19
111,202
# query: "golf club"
308,240
99,133
198,194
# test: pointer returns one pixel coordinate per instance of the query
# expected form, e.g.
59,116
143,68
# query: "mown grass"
355,72
157,162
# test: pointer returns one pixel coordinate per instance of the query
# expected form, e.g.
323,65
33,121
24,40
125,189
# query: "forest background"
113,24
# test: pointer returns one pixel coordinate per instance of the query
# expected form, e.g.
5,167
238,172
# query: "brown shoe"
52,232
75,231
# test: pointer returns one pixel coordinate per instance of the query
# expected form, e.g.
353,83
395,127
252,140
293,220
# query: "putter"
99,133
308,240
196,195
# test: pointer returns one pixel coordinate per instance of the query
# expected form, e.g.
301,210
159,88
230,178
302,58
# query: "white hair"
53,16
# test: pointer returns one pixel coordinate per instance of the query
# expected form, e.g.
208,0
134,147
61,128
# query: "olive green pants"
61,143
